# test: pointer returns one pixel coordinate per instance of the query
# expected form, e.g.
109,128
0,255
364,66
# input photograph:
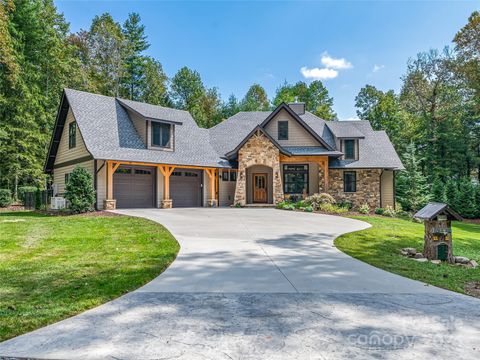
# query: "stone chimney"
298,107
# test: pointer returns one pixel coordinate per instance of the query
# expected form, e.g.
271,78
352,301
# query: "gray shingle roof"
109,133
432,209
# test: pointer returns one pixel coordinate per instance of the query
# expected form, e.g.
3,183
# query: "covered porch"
166,185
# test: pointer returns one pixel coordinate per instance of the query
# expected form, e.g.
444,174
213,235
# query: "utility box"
437,219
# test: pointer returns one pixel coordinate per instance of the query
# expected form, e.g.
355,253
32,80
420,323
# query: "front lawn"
380,246
53,267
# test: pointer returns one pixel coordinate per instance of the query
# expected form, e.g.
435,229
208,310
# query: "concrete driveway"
264,284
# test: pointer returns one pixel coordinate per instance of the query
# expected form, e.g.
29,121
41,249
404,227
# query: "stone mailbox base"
167,204
212,203
109,204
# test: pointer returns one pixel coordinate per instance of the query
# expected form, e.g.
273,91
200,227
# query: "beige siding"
101,183
387,189
297,135
64,153
59,174
140,125
226,191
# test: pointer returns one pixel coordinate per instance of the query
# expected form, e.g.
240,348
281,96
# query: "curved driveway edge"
264,284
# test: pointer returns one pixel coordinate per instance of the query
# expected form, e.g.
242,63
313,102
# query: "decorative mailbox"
437,219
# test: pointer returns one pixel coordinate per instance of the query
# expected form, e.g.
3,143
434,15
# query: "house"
142,155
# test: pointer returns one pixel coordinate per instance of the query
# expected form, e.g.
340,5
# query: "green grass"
53,267
380,246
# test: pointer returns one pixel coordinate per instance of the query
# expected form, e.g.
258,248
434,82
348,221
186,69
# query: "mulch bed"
15,207
473,288
87,214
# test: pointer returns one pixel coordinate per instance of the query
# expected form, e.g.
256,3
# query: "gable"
297,134
64,153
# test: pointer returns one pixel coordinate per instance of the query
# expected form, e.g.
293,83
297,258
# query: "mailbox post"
437,219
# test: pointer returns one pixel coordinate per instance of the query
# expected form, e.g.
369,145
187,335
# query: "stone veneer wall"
368,187
258,150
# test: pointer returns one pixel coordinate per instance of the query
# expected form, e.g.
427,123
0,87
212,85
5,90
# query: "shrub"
308,209
289,206
38,199
345,204
282,204
5,197
316,200
379,211
364,209
23,190
389,211
300,204
333,209
79,191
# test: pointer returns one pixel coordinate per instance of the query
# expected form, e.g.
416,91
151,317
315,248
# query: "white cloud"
377,67
332,63
318,74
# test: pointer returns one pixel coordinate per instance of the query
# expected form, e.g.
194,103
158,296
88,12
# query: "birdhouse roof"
431,210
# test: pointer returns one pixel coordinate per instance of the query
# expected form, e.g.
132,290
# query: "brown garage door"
186,188
133,187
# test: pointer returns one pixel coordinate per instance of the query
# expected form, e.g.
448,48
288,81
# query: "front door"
260,188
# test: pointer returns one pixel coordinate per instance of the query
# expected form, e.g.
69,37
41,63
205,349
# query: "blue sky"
236,44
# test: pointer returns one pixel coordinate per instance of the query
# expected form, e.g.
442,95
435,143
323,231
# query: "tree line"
433,121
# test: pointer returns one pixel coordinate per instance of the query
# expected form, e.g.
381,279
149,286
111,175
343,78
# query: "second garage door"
186,188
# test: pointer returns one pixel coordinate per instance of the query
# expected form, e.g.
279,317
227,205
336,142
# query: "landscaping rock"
436,262
461,260
421,259
418,256
472,264
410,251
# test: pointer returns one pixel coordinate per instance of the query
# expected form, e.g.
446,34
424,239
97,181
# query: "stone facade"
109,204
258,150
368,187
167,204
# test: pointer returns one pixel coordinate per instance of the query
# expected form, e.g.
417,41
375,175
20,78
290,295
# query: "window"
233,176
349,181
123,171
67,177
72,135
295,179
142,172
191,174
349,149
177,173
160,134
225,175
283,130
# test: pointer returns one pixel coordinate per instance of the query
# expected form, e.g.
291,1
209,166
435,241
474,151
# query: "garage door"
186,188
133,187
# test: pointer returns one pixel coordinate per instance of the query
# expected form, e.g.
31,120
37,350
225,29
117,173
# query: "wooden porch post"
110,203
325,171
212,201
166,172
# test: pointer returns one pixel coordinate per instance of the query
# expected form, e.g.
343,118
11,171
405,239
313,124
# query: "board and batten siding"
140,125
59,174
65,154
297,134
226,190
388,189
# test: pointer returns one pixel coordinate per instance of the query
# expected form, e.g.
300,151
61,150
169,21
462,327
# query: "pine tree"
467,199
477,199
135,62
437,192
452,196
255,99
153,87
412,189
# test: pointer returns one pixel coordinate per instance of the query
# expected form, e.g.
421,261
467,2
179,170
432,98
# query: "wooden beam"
109,180
166,172
115,167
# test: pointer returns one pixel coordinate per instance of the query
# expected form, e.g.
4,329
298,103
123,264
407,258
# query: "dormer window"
283,130
349,149
161,135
